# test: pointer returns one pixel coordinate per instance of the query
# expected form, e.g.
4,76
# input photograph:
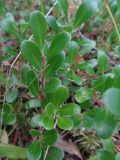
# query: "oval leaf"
85,11
50,137
111,100
39,27
59,43
70,109
31,53
60,95
32,82
34,151
65,123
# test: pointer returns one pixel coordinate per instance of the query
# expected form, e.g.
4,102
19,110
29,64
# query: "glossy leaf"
34,103
50,137
64,6
48,122
39,27
55,153
32,82
54,64
72,51
111,100
104,124
85,11
60,95
58,44
34,151
105,154
102,60
65,123
70,109
52,84
53,24
31,53
12,95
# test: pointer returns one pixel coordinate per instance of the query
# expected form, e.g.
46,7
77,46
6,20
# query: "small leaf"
50,137
72,51
104,124
37,120
111,100
86,45
85,11
54,64
105,154
118,156
31,53
12,95
32,82
70,109
51,85
55,153
65,123
60,95
49,108
64,6
53,24
102,60
59,43
35,132
34,151
8,24
48,122
34,103
39,27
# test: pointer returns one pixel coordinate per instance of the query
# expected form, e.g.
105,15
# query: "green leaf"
35,132
53,24
85,11
60,95
32,82
111,99
12,95
86,45
59,43
50,137
70,109
105,154
31,53
37,120
83,94
108,144
48,122
55,153
54,64
118,156
34,151
72,51
9,119
104,124
64,6
49,108
12,151
8,24
1,7
39,27
65,123
51,85
34,103
102,60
